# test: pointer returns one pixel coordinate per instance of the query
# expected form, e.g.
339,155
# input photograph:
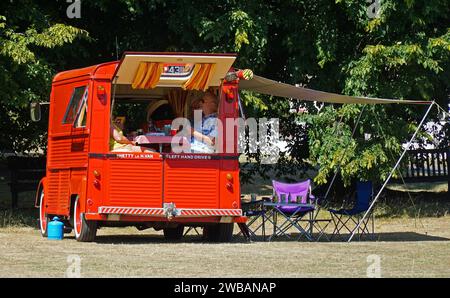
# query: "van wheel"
219,232
85,230
43,217
174,233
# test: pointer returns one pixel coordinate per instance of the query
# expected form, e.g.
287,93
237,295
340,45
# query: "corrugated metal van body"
67,153
57,191
138,182
134,183
192,183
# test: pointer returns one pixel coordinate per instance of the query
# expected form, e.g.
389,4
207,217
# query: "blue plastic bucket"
55,229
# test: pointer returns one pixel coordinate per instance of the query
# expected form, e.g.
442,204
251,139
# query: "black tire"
219,232
43,217
174,233
208,232
85,230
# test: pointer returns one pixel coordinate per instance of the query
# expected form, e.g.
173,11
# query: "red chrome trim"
209,212
131,211
143,218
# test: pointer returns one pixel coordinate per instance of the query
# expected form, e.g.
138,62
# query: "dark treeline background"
400,49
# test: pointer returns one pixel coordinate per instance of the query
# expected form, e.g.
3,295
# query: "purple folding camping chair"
297,203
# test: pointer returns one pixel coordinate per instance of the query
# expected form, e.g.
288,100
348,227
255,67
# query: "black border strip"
102,155
171,156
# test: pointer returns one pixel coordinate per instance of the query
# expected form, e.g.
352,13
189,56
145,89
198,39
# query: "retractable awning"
172,69
266,86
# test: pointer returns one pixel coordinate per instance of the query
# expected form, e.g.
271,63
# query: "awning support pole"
240,107
391,173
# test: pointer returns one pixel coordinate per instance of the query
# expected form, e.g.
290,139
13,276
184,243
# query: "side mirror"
35,111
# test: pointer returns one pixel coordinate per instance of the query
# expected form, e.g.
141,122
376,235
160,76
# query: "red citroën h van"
90,185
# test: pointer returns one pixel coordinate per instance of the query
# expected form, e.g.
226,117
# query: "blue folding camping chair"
348,219
256,214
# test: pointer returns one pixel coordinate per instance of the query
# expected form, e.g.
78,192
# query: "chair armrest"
251,203
255,205
322,201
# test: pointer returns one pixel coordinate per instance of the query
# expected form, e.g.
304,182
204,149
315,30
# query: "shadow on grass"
395,204
407,236
147,239
398,204
327,238
239,239
390,207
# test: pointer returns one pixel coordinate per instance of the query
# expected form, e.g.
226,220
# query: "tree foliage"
329,45
25,73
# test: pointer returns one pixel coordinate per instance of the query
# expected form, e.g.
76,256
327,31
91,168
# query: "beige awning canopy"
176,65
265,86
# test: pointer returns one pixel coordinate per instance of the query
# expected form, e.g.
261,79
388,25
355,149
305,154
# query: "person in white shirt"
203,140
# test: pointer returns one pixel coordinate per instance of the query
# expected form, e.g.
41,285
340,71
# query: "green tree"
329,45
25,37
405,53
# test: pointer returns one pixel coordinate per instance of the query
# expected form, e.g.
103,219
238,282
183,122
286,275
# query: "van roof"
90,71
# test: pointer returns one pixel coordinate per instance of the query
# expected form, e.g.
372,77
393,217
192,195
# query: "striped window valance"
201,75
148,75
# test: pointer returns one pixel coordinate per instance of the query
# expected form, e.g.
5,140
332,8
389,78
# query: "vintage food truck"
89,185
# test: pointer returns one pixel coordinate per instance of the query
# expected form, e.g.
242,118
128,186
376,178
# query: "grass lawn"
413,240
406,247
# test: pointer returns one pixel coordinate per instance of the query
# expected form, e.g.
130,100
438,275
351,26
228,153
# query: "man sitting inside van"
204,140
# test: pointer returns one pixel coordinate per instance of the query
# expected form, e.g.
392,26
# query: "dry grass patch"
406,249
